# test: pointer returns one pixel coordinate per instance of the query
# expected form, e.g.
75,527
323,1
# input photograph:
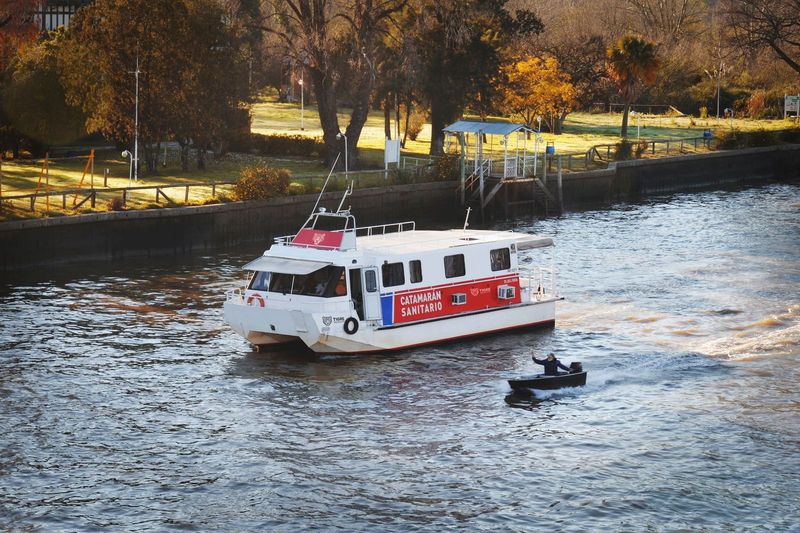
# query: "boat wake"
722,333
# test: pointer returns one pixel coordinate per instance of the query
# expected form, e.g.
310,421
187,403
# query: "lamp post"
126,154
302,106
729,113
717,74
340,136
635,114
537,139
135,160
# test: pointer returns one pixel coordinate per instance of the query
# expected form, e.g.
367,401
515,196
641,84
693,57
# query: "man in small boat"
551,364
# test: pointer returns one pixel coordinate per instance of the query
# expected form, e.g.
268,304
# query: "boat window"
454,266
326,283
500,258
281,283
393,274
415,271
259,281
371,281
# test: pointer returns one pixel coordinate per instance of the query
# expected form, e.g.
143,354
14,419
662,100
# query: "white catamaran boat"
343,289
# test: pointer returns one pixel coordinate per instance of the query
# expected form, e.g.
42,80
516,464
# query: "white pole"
302,108
339,136
136,126
536,138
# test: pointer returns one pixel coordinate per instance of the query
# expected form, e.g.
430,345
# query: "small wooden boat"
576,377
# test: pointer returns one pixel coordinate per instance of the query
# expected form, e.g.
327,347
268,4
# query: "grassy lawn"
581,132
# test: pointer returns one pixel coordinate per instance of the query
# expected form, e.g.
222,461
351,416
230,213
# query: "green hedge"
280,145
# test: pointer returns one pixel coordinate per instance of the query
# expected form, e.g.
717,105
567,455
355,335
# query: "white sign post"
791,103
391,153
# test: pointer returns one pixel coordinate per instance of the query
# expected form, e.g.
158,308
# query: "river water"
127,405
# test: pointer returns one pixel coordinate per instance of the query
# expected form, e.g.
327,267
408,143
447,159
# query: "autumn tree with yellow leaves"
534,87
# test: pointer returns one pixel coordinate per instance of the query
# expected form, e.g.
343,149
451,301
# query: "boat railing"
364,231
382,229
538,282
235,295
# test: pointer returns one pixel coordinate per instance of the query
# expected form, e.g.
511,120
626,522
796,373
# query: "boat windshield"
326,282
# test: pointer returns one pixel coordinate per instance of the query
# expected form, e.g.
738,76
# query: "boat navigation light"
322,210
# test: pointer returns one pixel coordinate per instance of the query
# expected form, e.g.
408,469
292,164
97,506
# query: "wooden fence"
83,197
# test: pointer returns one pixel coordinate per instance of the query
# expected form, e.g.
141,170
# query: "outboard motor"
575,368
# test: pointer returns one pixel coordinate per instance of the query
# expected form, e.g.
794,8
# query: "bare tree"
336,42
668,21
774,24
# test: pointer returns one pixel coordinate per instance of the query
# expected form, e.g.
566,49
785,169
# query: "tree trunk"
184,150
408,117
560,121
201,157
387,118
438,123
329,120
444,110
359,116
397,115
624,129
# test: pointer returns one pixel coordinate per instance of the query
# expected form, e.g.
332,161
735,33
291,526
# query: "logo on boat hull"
327,320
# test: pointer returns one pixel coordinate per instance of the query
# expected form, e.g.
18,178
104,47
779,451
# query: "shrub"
261,182
728,139
626,150
415,123
116,204
757,104
761,138
703,112
445,168
296,189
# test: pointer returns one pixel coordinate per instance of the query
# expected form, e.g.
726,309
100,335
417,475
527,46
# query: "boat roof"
486,128
417,241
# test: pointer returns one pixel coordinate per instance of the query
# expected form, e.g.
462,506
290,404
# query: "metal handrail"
401,227
409,225
545,278
236,294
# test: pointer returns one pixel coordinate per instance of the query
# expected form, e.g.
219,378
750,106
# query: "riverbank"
115,235
112,236
635,179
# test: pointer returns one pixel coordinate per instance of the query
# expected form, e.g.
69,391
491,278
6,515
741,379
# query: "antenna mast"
314,210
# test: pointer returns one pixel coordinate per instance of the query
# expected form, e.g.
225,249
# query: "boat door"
372,297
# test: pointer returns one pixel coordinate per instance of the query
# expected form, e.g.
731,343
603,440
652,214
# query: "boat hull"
542,382
326,333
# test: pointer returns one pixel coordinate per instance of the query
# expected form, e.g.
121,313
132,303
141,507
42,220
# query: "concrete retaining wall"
115,235
629,180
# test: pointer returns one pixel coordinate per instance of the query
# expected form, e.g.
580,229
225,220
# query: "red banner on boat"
318,238
444,300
